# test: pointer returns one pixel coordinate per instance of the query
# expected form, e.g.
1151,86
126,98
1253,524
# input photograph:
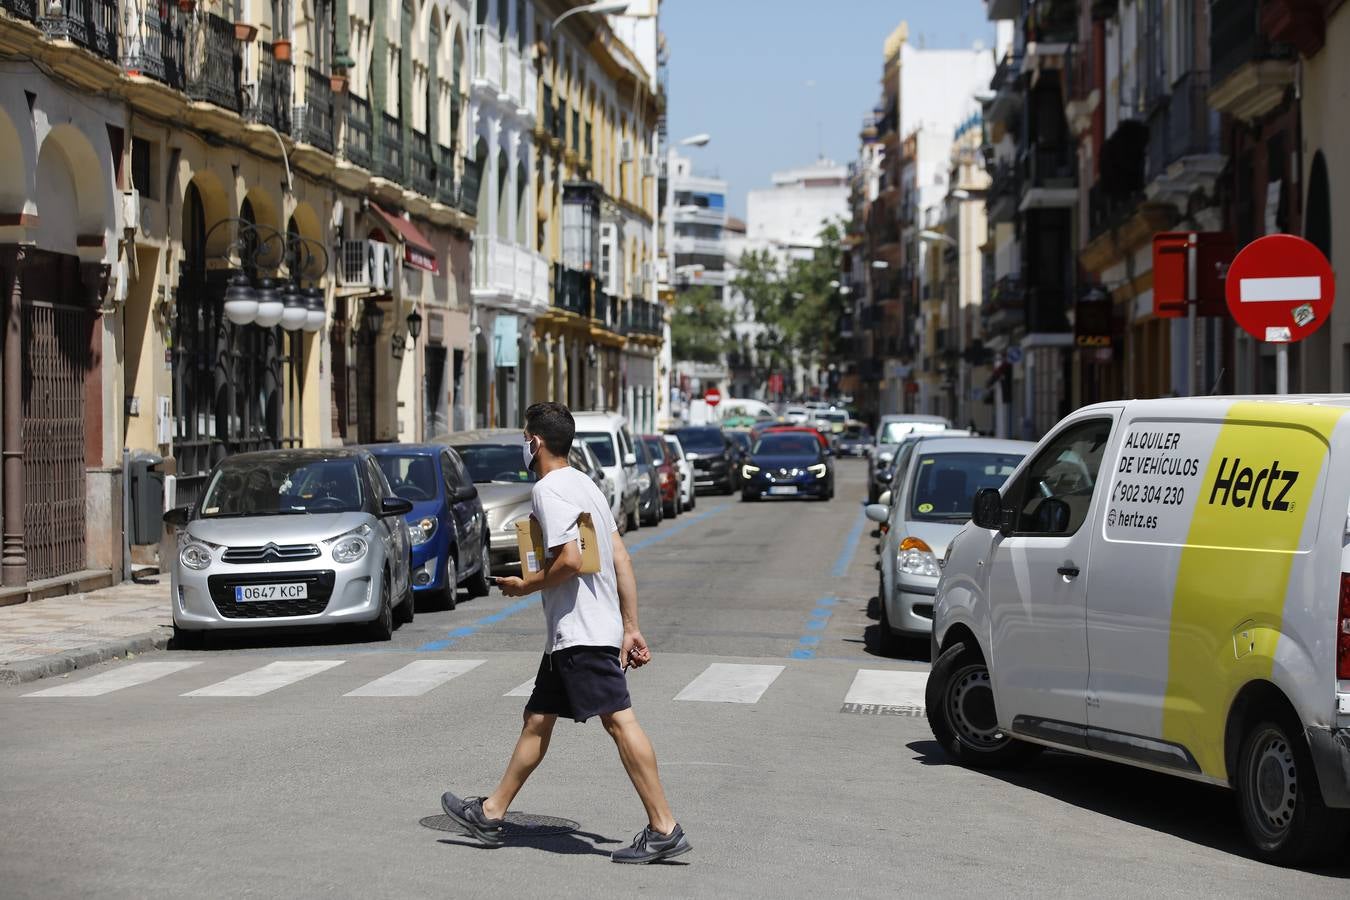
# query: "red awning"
417,250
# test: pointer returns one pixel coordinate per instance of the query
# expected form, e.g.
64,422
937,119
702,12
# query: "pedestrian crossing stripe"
879,692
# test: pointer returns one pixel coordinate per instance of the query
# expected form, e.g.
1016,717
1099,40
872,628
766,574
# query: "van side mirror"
987,510
178,517
630,459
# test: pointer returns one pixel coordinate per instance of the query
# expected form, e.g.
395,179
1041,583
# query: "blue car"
788,464
447,528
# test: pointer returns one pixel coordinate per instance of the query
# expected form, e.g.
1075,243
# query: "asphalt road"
819,777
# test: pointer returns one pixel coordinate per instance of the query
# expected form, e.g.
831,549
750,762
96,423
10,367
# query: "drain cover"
518,825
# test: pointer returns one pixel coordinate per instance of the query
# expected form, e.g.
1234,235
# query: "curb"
69,661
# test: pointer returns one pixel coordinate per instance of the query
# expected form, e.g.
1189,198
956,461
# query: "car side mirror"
465,492
178,517
987,510
884,499
630,459
877,512
394,506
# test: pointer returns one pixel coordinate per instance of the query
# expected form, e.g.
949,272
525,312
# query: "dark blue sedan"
447,527
787,464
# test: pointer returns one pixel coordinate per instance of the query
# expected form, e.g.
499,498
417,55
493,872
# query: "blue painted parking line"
818,620
850,547
455,635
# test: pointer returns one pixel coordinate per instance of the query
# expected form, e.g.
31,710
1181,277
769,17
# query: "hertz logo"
1242,487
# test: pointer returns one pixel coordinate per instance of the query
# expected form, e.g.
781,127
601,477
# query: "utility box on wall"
146,490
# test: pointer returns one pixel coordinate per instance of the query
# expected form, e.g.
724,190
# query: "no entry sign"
712,397
1280,289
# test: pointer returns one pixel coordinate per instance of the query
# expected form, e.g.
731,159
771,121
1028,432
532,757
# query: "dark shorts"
580,682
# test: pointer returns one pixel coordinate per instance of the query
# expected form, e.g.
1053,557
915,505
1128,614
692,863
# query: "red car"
667,473
801,429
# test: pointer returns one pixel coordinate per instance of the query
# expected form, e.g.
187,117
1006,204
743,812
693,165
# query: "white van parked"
608,437
1166,583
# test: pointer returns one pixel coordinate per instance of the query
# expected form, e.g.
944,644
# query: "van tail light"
1343,630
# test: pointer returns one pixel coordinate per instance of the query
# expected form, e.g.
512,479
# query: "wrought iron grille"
391,147
23,9
56,340
421,165
357,145
155,45
215,63
229,383
90,23
469,185
314,120
272,106
445,175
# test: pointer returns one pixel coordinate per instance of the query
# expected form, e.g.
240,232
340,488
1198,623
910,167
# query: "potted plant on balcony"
187,6
244,32
281,49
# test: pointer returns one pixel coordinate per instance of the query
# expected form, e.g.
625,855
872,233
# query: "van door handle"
1068,571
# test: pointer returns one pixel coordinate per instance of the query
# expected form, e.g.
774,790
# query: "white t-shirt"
583,611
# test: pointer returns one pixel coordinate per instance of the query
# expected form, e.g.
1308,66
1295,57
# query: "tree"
700,329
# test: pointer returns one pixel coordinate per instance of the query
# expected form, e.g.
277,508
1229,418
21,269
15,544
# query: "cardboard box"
530,541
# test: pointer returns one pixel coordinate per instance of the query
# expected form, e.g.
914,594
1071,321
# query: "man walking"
592,638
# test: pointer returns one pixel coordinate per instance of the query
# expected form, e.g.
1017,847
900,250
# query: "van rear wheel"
960,708
1280,800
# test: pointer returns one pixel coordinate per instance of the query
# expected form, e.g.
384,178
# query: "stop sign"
1280,288
713,396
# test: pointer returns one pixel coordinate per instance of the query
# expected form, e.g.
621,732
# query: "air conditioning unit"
381,257
131,210
626,152
651,166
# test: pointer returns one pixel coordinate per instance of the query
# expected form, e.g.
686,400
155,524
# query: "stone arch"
73,190
215,205
305,222
15,177
504,198
480,153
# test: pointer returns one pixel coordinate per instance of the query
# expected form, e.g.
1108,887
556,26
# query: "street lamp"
414,325
936,237
373,318
599,7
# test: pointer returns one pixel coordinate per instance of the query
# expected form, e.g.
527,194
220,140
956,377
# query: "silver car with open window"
292,537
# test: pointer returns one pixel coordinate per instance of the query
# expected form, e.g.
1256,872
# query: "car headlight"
748,470
350,546
195,555
817,470
916,558
421,532
644,481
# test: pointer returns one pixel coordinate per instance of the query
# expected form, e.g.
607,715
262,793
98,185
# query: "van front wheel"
1280,801
960,707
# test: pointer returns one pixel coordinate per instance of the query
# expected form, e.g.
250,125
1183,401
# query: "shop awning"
417,250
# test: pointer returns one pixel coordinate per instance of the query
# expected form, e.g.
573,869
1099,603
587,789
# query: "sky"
776,82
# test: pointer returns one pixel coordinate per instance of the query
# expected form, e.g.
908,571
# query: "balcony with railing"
509,273
154,45
391,147
421,165
469,184
357,147
603,309
1004,307
1249,71
215,63
572,289
1183,142
1006,86
22,9
272,101
1048,175
314,120
91,24
445,175
487,59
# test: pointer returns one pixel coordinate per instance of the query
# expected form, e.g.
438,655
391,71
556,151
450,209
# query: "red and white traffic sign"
1280,289
712,397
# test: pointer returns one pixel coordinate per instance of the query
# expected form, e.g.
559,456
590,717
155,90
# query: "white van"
1166,583
608,437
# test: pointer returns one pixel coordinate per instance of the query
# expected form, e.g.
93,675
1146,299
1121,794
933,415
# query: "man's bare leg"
639,760
529,753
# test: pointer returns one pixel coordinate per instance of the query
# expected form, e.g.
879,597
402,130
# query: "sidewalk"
61,634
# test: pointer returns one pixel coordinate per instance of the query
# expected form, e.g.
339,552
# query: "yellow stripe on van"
1235,567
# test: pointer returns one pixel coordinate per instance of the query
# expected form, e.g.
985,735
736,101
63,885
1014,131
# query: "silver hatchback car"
292,537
